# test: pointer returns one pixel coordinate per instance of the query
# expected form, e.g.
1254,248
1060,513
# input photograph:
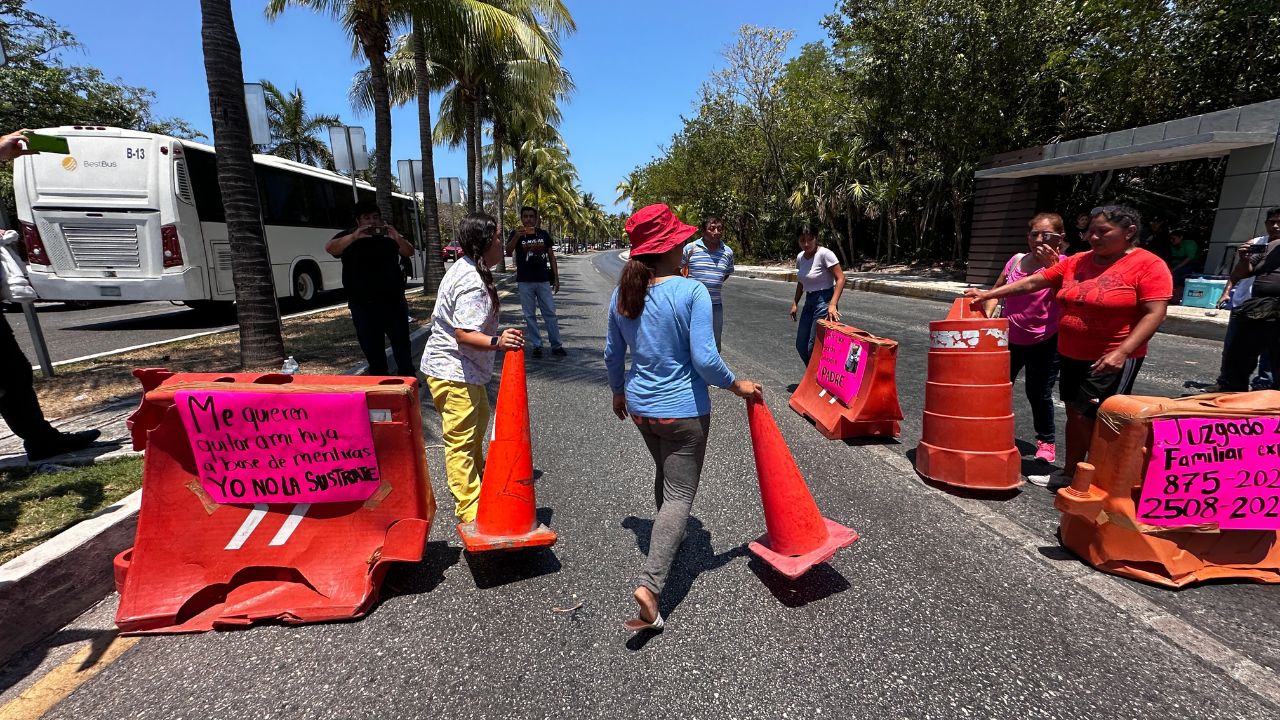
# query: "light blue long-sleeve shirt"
673,352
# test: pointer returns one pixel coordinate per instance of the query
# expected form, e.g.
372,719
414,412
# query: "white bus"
131,215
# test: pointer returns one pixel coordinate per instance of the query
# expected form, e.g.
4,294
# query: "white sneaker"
1053,482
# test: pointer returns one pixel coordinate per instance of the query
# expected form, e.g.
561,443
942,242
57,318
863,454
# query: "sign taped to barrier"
281,447
842,365
1223,471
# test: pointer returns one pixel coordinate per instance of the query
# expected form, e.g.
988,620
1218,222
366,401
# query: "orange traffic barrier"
270,497
850,388
797,537
967,437
1179,491
506,517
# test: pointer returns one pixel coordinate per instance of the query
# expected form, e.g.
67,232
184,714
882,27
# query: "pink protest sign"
281,447
1223,471
842,365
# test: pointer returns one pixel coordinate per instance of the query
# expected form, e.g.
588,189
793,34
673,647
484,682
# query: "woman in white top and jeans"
458,361
820,279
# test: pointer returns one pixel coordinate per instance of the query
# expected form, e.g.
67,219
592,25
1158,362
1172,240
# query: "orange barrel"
967,438
850,388
1207,509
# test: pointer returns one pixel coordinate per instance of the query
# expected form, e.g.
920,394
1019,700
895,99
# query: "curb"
50,585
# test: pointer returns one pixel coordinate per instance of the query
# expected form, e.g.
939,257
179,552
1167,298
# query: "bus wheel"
306,285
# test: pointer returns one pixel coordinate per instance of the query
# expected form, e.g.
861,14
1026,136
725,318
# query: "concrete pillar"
1250,187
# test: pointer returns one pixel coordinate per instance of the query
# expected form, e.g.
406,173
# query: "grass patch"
323,344
36,506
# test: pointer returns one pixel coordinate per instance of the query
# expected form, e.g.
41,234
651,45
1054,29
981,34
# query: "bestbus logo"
99,164
69,163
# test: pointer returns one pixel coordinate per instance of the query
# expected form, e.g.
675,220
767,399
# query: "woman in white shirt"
820,280
458,360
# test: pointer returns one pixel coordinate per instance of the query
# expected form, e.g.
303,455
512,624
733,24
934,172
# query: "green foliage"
40,90
875,136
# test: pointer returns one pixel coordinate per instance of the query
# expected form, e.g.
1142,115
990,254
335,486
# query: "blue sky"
637,66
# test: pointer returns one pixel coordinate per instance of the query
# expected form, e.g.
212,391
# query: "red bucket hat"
654,230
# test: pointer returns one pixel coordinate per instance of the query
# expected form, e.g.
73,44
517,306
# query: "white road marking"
290,524
1256,678
247,527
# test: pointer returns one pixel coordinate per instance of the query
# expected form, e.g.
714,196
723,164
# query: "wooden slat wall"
1001,209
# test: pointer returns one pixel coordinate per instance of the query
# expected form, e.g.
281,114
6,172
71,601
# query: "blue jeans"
537,296
815,309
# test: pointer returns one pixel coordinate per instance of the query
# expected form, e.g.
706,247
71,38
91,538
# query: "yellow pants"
464,414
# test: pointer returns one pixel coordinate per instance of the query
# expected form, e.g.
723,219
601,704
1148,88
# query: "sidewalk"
1181,321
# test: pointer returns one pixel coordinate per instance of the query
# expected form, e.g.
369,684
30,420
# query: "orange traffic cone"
797,536
506,517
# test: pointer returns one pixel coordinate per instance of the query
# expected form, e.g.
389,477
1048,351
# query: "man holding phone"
371,273
1252,340
537,277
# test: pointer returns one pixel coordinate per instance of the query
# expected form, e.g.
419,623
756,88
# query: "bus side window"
284,198
343,205
203,169
320,200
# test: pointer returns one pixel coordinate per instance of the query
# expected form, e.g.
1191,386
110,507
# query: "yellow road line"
60,682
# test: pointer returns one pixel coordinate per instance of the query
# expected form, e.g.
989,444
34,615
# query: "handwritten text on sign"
1213,470
842,365
276,448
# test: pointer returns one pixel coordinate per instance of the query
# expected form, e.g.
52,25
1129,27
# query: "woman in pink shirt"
1033,326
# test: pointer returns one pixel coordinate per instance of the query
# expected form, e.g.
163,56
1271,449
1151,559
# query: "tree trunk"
469,140
434,270
502,236
477,122
381,128
261,342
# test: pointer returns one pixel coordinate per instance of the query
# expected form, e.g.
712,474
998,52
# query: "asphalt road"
945,608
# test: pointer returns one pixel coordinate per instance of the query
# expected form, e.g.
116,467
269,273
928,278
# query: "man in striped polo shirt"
709,261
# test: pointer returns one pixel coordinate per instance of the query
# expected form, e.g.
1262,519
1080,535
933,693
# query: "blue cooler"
1203,292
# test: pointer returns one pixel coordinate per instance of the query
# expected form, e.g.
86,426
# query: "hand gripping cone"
506,517
797,536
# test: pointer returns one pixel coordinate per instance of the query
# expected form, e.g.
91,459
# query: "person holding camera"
1254,328
370,255
537,279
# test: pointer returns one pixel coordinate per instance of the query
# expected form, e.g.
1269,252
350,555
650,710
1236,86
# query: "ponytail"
475,233
633,285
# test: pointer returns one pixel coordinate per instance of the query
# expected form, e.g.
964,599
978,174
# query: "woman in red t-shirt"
1114,298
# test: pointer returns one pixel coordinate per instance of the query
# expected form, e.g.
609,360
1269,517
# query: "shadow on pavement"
503,567
23,665
423,577
696,556
820,583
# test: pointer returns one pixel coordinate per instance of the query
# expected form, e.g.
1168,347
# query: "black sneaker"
558,351
63,443
537,352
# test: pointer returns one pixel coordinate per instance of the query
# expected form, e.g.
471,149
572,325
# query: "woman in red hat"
665,321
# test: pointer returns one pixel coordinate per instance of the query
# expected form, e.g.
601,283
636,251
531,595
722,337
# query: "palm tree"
261,343
453,30
293,131
368,22
476,68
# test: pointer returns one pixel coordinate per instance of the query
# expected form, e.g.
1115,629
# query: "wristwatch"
493,341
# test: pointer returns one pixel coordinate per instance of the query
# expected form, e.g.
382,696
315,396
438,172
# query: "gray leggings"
678,446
